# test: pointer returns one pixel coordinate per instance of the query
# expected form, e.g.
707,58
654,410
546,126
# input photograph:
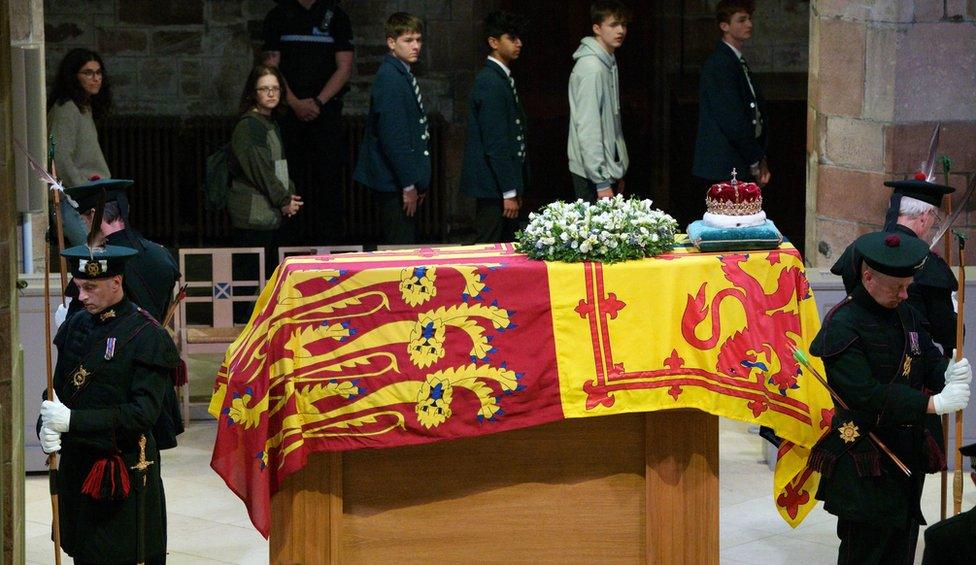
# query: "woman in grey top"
79,94
261,193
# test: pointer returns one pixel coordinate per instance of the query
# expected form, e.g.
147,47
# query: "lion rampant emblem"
763,342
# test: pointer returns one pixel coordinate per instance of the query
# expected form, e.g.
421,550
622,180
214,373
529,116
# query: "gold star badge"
849,432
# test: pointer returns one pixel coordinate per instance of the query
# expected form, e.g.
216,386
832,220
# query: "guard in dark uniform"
114,365
150,277
931,293
880,360
953,540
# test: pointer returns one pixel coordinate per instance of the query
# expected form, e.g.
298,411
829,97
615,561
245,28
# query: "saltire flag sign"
375,350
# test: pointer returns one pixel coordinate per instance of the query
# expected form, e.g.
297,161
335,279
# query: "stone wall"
191,57
881,76
779,35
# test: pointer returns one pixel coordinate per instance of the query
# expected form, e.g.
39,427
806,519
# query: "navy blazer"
727,118
495,160
394,153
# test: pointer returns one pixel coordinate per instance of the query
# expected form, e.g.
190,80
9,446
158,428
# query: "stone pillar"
882,74
15,18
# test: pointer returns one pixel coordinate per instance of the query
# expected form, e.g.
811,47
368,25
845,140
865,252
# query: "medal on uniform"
913,341
79,377
849,432
109,348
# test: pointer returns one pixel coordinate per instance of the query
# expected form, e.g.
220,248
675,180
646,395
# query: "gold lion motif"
434,402
417,285
426,345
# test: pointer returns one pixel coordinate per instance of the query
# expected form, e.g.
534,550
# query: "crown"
734,198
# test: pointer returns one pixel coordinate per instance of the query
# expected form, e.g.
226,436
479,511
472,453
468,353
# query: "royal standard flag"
404,347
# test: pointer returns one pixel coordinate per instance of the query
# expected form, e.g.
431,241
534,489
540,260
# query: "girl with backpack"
261,193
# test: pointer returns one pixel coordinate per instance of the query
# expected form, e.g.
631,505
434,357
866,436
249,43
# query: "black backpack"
216,185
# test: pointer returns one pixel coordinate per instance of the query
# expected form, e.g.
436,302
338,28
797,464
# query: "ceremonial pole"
52,458
58,221
947,255
48,177
957,479
801,358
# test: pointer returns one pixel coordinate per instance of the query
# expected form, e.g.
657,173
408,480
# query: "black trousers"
867,543
315,152
489,224
396,227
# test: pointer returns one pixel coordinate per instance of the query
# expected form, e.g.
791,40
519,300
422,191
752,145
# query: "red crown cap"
734,199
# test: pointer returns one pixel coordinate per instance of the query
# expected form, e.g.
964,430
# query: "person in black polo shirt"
310,41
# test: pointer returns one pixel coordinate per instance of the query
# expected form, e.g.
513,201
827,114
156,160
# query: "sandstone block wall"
882,74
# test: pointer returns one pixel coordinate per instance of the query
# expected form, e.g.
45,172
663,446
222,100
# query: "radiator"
166,157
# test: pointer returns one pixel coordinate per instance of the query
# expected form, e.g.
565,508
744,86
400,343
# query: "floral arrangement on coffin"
608,231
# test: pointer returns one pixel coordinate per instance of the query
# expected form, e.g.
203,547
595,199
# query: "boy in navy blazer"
394,158
495,168
732,128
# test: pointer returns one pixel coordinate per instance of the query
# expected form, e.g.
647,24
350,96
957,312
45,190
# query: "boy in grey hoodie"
597,152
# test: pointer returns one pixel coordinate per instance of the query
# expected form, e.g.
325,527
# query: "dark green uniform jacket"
727,116
115,405
150,277
930,294
952,541
149,280
494,153
394,153
883,364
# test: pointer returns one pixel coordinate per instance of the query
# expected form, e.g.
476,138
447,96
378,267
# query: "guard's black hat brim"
921,190
86,195
892,254
97,263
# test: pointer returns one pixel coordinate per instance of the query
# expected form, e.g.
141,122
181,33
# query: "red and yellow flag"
396,348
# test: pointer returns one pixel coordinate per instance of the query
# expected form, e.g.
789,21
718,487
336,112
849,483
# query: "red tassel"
822,461
868,464
179,374
107,480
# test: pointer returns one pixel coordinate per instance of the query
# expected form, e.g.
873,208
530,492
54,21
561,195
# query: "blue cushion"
763,236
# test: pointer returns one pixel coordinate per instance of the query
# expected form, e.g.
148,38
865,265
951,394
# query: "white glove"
958,371
955,303
55,415
954,397
61,313
50,440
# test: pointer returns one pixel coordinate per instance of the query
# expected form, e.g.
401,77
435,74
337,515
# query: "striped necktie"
511,81
758,115
416,91
521,135
420,102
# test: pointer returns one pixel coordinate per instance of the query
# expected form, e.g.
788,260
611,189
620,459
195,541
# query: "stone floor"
208,524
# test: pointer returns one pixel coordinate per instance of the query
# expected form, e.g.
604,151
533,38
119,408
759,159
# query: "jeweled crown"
734,198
